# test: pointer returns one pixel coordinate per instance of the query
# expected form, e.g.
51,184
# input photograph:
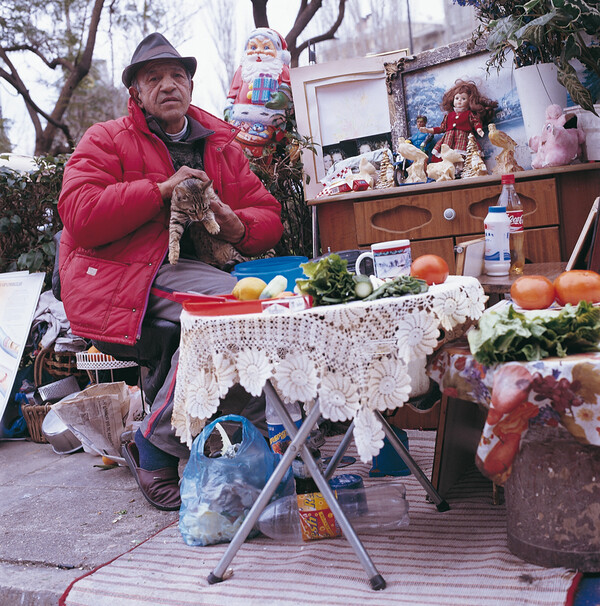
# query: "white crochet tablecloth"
356,357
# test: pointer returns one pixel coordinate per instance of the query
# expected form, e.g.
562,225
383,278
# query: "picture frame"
417,84
340,102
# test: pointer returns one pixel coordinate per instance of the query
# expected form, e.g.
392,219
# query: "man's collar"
196,130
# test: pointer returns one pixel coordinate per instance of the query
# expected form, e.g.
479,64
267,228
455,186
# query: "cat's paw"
173,257
212,227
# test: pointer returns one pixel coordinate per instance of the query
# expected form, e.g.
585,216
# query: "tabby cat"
190,206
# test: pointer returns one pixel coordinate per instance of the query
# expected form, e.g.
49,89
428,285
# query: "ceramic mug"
390,259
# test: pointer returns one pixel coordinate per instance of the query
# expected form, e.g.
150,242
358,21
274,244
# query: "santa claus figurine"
260,93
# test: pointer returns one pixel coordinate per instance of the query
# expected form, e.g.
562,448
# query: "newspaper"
97,415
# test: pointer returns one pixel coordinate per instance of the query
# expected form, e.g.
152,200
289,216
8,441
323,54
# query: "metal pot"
60,437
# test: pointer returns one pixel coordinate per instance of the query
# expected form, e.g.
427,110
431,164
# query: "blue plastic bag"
217,493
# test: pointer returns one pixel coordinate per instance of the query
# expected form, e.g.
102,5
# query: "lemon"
248,288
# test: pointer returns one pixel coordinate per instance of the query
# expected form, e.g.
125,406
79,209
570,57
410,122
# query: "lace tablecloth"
354,357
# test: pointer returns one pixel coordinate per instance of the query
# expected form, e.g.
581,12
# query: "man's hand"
185,172
232,229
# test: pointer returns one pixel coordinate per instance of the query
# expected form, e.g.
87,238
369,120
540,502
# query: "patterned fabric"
519,395
354,357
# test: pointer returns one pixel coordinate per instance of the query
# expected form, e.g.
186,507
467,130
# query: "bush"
29,217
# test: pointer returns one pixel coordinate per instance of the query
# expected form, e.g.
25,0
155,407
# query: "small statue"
260,95
386,173
445,170
424,141
505,160
366,172
416,171
558,144
474,165
467,110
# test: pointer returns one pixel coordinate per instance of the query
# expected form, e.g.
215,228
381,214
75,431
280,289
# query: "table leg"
440,503
339,453
216,576
375,579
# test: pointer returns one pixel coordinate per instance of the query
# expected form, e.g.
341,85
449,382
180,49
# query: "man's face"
165,91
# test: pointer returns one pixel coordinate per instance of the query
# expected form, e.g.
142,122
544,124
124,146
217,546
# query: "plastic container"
514,209
295,519
267,269
388,462
497,248
278,436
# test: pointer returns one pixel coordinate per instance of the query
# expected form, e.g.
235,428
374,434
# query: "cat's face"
190,193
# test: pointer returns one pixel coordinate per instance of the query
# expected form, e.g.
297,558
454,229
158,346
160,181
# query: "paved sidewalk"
60,517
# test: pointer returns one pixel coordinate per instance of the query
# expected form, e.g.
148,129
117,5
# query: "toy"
557,145
467,109
445,170
416,171
505,160
424,141
260,95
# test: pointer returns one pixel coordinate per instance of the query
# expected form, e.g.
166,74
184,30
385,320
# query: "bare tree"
306,12
60,35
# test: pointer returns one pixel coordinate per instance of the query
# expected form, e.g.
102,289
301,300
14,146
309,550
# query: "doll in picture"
467,111
423,140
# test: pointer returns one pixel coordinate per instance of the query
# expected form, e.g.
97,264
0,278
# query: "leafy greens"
507,334
329,281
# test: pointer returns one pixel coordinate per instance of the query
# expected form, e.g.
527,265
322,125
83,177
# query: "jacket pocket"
90,287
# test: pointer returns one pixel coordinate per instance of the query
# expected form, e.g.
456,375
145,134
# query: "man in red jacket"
114,205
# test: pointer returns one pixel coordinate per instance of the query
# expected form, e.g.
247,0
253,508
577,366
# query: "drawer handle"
449,214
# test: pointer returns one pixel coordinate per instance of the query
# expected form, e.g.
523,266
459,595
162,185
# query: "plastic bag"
217,493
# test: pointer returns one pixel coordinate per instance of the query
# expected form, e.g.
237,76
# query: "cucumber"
277,285
362,286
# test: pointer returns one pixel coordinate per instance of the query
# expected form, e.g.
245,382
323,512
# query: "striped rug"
454,558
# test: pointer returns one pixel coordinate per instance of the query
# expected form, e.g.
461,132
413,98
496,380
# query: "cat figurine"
190,206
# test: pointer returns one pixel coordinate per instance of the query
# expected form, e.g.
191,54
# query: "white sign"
19,294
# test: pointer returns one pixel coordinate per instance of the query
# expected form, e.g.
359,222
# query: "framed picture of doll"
418,88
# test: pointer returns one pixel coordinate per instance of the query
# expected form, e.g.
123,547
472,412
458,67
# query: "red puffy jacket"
115,234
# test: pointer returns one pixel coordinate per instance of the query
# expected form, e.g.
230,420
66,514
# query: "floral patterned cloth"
356,358
520,395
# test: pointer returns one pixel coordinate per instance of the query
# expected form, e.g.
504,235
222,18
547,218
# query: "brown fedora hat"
152,47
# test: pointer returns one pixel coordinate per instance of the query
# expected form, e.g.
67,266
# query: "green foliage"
29,216
540,31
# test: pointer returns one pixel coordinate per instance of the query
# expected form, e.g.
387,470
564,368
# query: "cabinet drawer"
448,213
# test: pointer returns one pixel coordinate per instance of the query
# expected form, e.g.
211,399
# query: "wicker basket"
34,415
58,364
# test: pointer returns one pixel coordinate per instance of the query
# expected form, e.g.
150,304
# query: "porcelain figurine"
445,170
260,93
474,165
505,160
415,173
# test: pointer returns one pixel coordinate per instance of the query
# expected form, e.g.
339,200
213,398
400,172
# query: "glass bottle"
514,209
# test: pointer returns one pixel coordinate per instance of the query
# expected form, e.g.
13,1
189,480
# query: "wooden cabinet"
437,216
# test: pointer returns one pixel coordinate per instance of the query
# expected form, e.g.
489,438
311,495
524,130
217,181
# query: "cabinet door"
542,245
444,247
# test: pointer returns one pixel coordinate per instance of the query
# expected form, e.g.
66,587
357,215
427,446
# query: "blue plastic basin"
267,269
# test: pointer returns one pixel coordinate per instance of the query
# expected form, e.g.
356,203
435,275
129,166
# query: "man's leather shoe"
160,487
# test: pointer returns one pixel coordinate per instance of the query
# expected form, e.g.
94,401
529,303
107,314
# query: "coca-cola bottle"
514,209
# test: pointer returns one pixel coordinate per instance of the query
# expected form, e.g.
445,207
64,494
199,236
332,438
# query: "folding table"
352,361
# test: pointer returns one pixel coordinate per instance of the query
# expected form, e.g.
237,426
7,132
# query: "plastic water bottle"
278,437
299,518
497,246
514,209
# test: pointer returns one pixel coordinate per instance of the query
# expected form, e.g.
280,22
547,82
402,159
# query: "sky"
281,15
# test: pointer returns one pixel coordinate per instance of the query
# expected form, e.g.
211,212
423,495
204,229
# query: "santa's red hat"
276,38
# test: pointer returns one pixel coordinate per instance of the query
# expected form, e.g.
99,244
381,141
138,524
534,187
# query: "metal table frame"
298,446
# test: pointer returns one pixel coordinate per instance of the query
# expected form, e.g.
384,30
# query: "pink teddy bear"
556,146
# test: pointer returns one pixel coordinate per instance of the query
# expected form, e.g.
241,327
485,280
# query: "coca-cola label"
516,220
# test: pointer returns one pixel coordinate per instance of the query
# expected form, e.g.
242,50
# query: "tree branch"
52,64
259,13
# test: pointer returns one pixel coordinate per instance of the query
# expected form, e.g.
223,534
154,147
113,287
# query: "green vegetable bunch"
402,285
506,334
329,281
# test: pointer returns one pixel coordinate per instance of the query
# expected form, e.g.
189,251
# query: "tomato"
431,268
532,292
577,285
